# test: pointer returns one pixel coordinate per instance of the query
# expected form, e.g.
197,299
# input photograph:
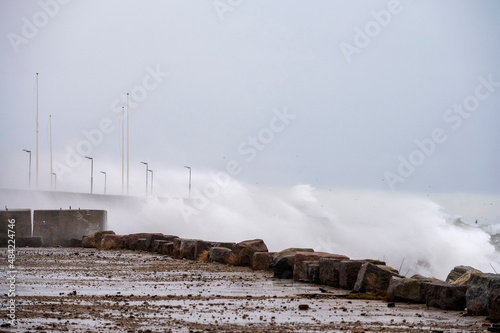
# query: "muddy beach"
87,290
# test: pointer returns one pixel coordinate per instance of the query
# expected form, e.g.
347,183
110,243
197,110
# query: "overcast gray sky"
328,93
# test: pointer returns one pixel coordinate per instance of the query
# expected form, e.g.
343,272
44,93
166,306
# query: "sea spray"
358,223
354,222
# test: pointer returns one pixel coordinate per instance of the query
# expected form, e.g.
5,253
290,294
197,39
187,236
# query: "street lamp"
104,173
146,177
189,180
55,182
91,174
29,173
151,181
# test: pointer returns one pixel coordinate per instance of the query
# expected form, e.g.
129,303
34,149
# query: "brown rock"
112,242
313,271
329,272
262,260
284,262
95,239
407,290
245,250
479,290
202,246
494,305
126,242
220,254
300,272
373,278
458,271
132,240
176,247
348,273
445,296
158,245
167,248
187,249
150,238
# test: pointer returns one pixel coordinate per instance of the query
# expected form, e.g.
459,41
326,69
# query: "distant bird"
6,208
476,221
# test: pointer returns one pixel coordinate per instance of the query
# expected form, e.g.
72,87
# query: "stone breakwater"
464,289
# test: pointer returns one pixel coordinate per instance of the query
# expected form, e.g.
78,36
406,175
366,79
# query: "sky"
366,128
399,96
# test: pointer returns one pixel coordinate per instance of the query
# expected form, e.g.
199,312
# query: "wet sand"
87,290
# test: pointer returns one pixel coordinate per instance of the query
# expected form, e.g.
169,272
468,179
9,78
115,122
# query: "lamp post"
37,130
55,181
29,172
189,180
91,174
151,181
146,177
123,149
104,173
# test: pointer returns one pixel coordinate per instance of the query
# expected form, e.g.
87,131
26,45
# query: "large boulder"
220,254
75,242
494,305
167,248
329,272
479,289
348,273
202,246
110,242
95,239
158,245
262,260
141,244
312,271
87,241
150,238
300,271
132,240
407,290
126,242
457,272
349,269
176,247
245,250
445,296
284,262
373,278
187,249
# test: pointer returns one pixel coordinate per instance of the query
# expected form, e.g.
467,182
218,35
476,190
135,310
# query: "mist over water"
408,231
